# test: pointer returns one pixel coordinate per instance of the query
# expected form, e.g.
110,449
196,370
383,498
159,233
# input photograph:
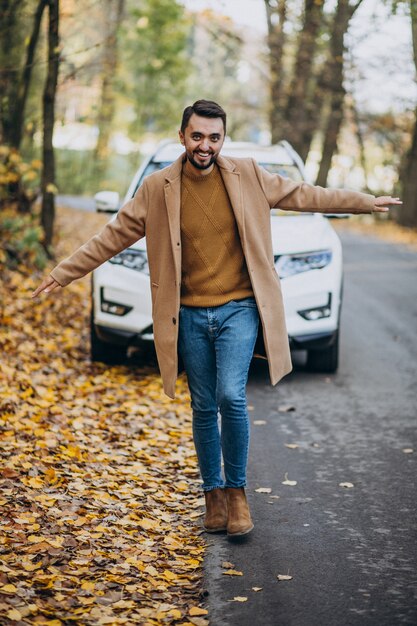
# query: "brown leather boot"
239,521
216,511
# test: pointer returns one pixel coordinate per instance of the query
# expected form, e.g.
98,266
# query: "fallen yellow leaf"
88,585
14,615
195,610
284,577
8,589
232,572
35,482
35,538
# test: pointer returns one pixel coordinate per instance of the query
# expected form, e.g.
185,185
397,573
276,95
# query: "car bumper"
316,341
126,338
120,337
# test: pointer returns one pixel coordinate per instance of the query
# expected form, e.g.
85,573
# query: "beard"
199,166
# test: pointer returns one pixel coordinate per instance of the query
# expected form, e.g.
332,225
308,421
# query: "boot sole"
215,530
240,533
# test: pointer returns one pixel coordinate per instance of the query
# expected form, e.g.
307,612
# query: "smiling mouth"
203,155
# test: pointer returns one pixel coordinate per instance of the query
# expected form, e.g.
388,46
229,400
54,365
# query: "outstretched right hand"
47,285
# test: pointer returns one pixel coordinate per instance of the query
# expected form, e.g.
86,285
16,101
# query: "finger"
381,209
387,200
46,285
393,201
38,290
52,287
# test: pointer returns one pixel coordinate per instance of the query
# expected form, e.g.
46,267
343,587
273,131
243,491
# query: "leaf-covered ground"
99,495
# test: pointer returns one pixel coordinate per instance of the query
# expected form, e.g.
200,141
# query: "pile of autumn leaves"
100,503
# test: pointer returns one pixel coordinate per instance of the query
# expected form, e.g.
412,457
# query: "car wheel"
325,360
105,352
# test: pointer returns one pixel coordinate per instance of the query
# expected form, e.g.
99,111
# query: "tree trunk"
16,130
114,13
407,214
276,16
361,142
302,100
332,82
48,174
15,88
331,135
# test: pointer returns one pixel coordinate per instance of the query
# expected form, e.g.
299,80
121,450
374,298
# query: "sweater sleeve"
286,194
127,228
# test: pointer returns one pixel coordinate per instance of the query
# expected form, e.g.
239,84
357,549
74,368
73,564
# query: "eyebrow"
197,132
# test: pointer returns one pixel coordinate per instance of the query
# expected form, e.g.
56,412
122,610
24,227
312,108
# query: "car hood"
293,233
300,233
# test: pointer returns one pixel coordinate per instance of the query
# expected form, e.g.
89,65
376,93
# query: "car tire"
105,352
325,360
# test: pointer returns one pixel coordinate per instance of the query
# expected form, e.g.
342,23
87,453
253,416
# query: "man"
213,283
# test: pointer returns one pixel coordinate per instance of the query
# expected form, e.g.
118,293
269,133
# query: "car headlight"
132,259
290,264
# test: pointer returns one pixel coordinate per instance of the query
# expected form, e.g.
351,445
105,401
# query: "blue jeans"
216,345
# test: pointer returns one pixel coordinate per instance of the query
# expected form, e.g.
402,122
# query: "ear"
181,136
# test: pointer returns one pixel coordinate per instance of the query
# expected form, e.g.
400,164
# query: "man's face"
203,139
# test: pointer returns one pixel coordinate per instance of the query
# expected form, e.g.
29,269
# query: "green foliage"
21,241
76,174
155,56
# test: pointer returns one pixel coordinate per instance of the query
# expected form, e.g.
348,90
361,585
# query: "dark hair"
205,108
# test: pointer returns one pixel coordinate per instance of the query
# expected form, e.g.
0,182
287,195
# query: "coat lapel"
172,190
231,179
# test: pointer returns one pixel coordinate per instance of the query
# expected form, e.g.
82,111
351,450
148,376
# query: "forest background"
88,88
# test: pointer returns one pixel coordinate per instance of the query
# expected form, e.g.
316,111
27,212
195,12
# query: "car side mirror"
107,201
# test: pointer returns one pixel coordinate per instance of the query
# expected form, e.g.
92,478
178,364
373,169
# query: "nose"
204,145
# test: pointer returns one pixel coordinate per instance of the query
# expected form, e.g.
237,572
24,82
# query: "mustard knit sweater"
213,265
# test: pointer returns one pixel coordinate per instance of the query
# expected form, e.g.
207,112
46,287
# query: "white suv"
308,259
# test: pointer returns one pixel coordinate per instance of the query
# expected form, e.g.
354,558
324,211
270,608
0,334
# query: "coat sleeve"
286,194
120,233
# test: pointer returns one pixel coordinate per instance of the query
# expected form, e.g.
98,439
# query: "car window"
153,166
287,171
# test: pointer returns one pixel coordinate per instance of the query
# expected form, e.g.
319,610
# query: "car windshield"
288,171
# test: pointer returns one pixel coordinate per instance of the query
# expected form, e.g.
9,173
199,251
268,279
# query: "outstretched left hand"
382,202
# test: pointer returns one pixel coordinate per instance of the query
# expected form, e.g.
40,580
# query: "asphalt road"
351,551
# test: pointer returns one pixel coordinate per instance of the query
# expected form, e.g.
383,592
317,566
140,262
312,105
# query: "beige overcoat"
155,212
